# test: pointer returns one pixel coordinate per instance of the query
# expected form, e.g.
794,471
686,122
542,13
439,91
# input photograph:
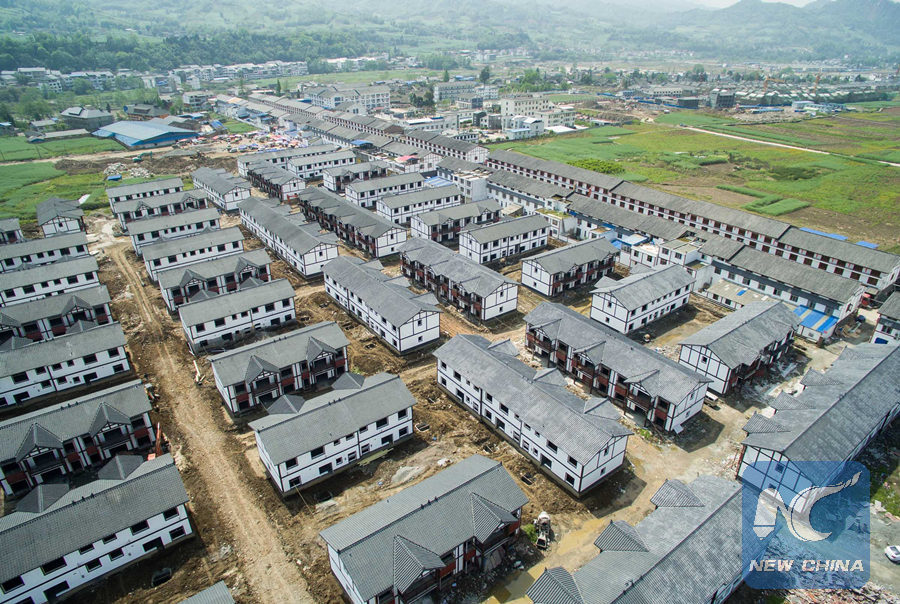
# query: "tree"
446,76
81,86
485,75
278,87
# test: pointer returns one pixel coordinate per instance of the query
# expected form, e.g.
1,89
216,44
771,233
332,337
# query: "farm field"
16,148
855,197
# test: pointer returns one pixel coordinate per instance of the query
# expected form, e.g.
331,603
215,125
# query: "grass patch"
881,489
16,148
692,118
238,127
530,531
599,165
773,205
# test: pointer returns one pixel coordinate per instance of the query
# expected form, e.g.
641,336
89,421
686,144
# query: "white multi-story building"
47,318
60,539
491,242
298,361
474,289
55,442
35,252
452,90
275,181
60,216
887,328
553,272
365,193
524,105
578,443
159,205
220,320
202,246
471,178
641,298
401,207
741,346
143,190
223,189
401,318
86,354
517,127
335,179
371,97
10,231
150,230
301,244
48,280
685,251
446,146
281,157
302,442
311,167
183,285
445,225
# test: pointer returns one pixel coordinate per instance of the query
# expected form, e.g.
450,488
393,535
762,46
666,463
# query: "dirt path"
270,574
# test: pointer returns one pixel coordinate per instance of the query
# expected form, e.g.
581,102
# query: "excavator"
157,450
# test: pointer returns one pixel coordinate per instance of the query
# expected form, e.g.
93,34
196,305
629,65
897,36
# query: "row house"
61,539
640,298
685,252
609,363
184,251
474,289
740,346
275,181
444,225
402,319
577,443
281,157
153,188
446,146
471,178
834,414
597,220
35,252
365,123
356,226
870,267
303,442
460,521
10,231
303,245
336,179
401,207
151,230
301,360
365,193
887,328
400,157
311,167
47,280
371,97
159,205
532,196
694,527
54,442
58,216
86,354
216,321
503,239
223,189
822,299
552,273
181,286
47,318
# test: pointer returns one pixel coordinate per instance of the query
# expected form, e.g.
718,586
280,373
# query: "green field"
358,77
16,148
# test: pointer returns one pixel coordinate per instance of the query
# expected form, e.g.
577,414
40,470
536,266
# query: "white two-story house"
150,230
640,298
217,276
400,208
491,242
16,256
203,246
47,280
365,193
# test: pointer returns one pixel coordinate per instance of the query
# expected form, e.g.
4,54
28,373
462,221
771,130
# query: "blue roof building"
144,135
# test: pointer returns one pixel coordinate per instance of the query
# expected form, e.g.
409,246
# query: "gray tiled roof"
528,186
17,315
564,259
216,594
890,309
626,219
597,179
657,374
720,247
298,345
57,208
691,553
251,295
460,165
87,514
301,162
436,513
353,169
398,200
367,222
73,417
219,180
145,187
837,409
73,345
841,250
209,269
636,290
738,338
374,184
581,429
388,297
9,224
506,228
331,416
272,174
42,244
465,210
441,140
291,229
48,272
160,223
157,201
472,276
267,156
201,240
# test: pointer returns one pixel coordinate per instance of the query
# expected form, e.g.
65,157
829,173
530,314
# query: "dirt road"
221,495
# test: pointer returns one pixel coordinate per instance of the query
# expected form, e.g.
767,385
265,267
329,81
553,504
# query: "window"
170,513
386,440
14,583
109,538
86,548
140,526
93,564
570,479
381,423
573,462
402,413
317,452
551,446
291,463
779,468
365,448
116,554
324,469
402,431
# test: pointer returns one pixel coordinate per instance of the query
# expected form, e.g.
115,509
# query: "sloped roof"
252,294
157,201
200,240
48,272
161,223
485,233
841,250
564,259
17,315
636,290
891,307
398,200
218,593
383,182
464,210
472,276
529,186
436,511
55,207
653,226
145,187
75,344
367,222
597,179
210,269
291,229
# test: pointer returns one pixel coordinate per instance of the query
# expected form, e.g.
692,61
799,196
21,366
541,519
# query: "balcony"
112,438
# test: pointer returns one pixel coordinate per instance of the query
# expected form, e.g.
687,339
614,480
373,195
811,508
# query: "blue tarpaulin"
814,319
824,234
868,244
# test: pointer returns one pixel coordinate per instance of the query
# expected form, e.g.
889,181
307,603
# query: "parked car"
893,553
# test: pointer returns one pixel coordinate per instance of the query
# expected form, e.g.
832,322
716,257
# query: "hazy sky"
720,3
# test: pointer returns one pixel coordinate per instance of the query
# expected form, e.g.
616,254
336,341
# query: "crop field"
16,148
